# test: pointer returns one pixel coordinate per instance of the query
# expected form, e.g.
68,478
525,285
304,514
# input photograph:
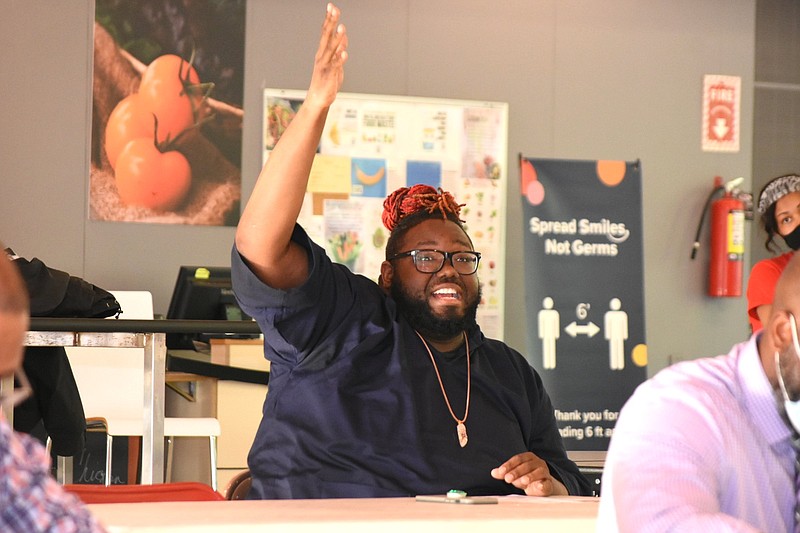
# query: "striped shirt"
702,446
31,501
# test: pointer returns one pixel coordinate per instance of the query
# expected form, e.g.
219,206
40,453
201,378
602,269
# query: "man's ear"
781,329
387,276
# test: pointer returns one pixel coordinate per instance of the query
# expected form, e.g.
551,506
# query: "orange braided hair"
407,201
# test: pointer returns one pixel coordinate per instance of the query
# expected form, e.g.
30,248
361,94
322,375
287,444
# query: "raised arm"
267,222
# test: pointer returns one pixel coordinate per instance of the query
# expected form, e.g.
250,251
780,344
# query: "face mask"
793,239
792,407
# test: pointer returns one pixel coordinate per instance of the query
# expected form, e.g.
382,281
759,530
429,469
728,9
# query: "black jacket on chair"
56,402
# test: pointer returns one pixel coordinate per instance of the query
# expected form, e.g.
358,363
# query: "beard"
429,325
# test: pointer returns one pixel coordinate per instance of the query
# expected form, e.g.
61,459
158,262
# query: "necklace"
461,429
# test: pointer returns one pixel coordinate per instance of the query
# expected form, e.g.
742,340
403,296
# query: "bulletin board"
374,144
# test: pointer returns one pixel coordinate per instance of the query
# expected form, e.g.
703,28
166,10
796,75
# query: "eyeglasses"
14,397
432,261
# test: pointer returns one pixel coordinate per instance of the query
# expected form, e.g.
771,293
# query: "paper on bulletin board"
329,173
374,144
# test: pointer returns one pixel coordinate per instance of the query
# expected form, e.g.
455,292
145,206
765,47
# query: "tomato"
127,121
147,177
163,92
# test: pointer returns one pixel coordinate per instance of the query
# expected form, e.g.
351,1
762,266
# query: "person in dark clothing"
387,389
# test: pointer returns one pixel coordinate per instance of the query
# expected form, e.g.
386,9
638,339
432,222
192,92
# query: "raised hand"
263,236
329,61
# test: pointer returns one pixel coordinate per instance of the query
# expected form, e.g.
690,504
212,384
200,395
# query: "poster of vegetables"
167,113
373,144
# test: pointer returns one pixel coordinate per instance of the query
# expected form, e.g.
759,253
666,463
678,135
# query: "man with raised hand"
387,389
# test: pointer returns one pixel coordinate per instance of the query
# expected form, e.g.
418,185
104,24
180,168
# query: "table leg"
155,359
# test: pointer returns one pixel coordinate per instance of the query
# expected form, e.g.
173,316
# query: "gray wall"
619,79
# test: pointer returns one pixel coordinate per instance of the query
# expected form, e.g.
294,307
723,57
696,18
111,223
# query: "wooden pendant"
461,429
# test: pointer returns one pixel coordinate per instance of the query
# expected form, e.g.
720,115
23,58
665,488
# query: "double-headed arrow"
590,329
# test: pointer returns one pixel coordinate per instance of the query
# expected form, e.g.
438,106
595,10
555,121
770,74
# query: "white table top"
373,515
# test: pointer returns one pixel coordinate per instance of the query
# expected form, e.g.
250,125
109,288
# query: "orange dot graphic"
639,355
611,173
528,173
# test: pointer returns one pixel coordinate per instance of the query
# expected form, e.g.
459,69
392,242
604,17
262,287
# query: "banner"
584,290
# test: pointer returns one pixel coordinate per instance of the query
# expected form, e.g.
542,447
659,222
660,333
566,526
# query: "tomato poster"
373,144
168,86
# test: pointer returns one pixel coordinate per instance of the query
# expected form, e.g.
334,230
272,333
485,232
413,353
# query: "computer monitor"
202,293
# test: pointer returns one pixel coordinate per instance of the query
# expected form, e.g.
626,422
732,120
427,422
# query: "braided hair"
408,206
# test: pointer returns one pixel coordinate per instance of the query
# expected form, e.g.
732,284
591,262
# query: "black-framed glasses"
432,261
20,393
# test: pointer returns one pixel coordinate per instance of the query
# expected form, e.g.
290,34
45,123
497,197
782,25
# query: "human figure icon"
549,331
616,332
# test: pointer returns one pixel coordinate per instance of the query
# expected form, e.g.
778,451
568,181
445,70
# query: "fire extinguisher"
727,238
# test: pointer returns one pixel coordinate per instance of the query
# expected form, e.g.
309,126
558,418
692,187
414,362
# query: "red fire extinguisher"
727,239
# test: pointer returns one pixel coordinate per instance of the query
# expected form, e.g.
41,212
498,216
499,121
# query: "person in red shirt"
779,209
